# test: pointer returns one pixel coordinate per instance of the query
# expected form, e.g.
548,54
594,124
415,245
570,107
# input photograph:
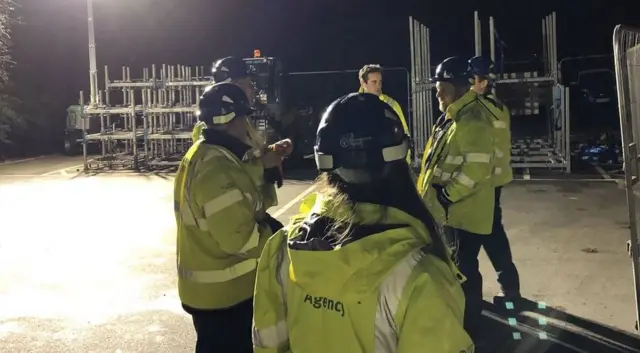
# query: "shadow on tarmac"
545,329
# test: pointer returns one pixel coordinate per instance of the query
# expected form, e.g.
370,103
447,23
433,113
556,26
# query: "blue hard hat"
359,135
221,103
483,67
454,70
229,68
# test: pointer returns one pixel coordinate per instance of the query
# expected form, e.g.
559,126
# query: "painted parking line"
20,160
293,202
63,171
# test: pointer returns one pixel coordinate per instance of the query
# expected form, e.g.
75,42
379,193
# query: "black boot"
507,299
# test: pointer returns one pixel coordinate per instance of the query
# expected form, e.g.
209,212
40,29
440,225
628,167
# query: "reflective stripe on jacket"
503,174
382,293
219,207
460,159
396,107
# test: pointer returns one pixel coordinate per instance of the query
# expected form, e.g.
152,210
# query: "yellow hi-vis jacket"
398,109
219,208
460,159
383,292
503,174
197,131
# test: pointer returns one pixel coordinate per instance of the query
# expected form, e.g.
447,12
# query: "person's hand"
442,196
282,147
271,159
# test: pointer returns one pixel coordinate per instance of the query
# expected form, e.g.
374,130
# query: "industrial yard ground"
87,262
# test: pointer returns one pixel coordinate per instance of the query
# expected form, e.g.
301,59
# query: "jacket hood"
323,265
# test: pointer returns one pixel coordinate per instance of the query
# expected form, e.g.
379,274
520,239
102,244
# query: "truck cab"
280,113
266,73
73,130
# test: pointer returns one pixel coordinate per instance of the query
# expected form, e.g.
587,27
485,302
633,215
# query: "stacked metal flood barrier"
540,123
535,99
151,126
421,105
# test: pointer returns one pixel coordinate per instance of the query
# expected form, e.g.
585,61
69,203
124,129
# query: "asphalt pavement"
87,263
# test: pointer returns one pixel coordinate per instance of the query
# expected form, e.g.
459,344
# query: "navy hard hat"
221,103
358,137
455,70
483,67
229,68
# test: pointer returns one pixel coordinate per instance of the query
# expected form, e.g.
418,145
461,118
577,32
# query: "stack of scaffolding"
151,127
539,107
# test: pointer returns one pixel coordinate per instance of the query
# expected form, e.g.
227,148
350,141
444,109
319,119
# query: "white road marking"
293,202
21,160
601,171
534,332
60,171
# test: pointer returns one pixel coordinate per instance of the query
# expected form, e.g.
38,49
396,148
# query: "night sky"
52,56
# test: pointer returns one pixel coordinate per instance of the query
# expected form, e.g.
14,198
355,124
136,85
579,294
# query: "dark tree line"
19,122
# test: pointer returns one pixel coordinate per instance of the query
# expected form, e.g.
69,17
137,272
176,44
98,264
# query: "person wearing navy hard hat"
497,245
455,178
221,209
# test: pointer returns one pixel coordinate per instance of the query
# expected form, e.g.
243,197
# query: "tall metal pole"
413,102
93,67
554,48
478,32
492,39
427,89
545,48
492,46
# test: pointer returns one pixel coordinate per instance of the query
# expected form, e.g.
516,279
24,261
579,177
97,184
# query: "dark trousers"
466,247
223,331
499,252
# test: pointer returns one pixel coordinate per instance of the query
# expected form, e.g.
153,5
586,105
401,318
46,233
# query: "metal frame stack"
152,125
154,122
549,150
421,102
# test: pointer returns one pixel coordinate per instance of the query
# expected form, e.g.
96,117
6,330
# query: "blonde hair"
332,190
342,221
368,69
347,218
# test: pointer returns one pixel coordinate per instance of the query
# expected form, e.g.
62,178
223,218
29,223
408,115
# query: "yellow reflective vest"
219,209
460,158
503,174
382,293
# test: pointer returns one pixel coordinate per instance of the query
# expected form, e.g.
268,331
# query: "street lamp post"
93,67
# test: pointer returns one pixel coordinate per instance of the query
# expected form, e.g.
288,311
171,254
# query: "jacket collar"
237,147
454,109
382,95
